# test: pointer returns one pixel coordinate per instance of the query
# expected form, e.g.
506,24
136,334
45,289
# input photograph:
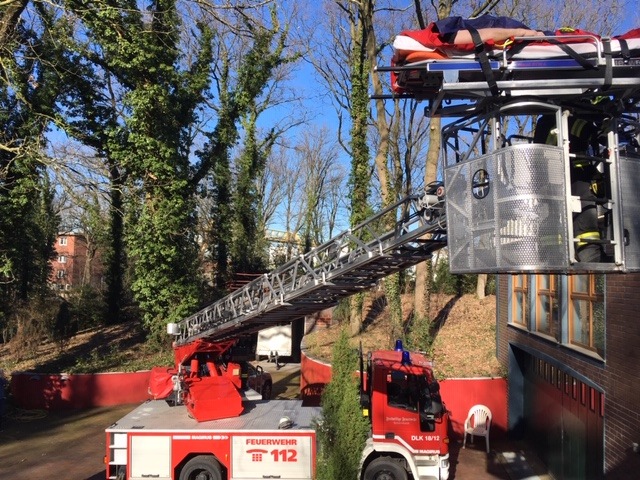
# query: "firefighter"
586,180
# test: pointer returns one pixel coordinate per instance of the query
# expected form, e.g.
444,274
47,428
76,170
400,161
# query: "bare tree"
318,157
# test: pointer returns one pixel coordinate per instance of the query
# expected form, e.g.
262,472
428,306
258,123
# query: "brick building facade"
76,264
572,348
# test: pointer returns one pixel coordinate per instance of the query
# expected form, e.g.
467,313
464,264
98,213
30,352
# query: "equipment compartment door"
150,457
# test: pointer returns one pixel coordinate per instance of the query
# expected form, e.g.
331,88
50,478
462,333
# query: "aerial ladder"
396,238
348,263
503,204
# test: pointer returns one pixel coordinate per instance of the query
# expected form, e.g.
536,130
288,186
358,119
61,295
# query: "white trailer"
274,342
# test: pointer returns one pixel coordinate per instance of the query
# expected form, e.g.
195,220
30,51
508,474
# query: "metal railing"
350,262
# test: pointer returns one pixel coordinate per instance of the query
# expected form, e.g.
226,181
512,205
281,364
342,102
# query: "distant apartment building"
76,264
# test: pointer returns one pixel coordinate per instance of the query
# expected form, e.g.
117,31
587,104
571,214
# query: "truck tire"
202,467
385,468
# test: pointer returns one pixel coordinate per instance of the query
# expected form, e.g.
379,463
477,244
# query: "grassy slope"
464,346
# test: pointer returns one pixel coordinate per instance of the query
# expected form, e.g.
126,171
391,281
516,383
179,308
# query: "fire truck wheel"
385,468
202,467
266,391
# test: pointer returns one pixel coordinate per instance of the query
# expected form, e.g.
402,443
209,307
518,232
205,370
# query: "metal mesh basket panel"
506,211
630,200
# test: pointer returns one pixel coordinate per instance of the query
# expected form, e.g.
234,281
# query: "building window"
61,273
62,241
567,308
520,300
586,312
547,304
62,259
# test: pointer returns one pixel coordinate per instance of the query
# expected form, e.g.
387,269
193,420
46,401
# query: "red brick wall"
621,375
75,267
618,376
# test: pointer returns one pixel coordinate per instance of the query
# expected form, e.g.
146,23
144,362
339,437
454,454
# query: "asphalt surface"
62,445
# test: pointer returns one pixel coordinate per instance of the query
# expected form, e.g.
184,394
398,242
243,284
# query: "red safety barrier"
59,392
69,391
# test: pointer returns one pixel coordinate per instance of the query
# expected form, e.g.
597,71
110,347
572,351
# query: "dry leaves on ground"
465,344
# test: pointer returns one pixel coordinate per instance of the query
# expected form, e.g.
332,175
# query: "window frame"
552,294
591,297
520,289
562,291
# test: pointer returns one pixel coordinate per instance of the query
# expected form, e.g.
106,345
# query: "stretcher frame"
454,85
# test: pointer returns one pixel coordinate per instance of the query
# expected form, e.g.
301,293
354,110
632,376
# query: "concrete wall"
60,392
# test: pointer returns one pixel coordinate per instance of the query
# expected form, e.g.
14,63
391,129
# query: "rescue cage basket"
510,206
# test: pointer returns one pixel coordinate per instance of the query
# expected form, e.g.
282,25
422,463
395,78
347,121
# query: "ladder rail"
350,261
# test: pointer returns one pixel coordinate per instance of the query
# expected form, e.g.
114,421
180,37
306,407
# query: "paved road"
60,445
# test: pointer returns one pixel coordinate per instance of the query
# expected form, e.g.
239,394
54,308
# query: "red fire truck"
207,427
205,423
409,421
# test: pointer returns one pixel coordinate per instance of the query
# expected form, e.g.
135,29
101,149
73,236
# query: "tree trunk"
116,258
9,19
420,304
355,314
424,269
481,285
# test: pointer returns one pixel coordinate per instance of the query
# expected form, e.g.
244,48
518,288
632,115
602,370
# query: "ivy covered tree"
344,430
28,91
238,91
142,95
145,141
249,248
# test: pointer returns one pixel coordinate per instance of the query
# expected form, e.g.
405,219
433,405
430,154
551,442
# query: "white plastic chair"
478,423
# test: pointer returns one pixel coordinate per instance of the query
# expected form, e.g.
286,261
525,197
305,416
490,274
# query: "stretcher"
558,66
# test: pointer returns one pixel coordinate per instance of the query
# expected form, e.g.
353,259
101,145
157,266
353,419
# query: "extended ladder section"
346,264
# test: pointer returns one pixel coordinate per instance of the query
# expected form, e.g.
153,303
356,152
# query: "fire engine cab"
409,421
